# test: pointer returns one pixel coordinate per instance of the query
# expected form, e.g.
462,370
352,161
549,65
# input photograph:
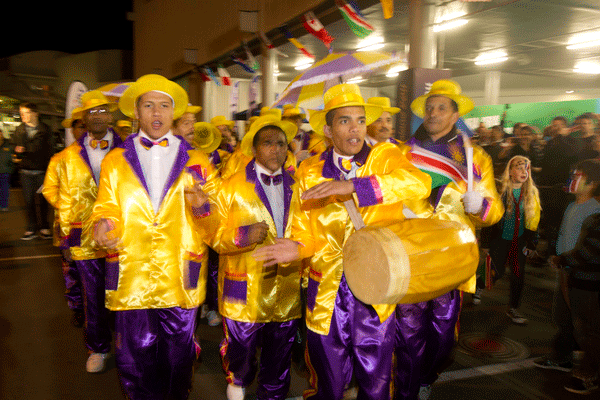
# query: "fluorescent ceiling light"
371,47
587,67
370,43
584,45
492,57
303,65
395,70
392,74
589,39
450,25
570,91
449,16
356,79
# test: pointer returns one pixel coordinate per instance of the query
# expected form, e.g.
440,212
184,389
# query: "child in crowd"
515,236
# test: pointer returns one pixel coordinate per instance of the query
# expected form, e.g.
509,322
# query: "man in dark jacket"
33,149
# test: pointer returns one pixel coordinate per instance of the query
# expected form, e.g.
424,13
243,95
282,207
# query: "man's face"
225,131
271,149
155,113
348,130
523,137
381,129
97,120
585,125
28,117
558,124
497,134
185,127
439,117
78,128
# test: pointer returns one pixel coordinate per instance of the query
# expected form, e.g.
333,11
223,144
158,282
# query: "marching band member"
382,130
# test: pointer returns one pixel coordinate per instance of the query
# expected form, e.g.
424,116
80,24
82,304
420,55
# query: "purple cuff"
202,211
486,206
241,238
368,191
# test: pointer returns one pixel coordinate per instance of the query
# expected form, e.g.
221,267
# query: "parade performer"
306,143
51,189
426,330
345,337
260,305
382,130
184,125
226,128
80,174
153,214
207,139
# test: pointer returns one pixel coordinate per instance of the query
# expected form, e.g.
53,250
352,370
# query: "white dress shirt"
336,160
97,155
157,163
275,196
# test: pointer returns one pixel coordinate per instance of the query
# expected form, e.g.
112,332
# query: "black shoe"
78,319
581,386
547,363
28,235
45,234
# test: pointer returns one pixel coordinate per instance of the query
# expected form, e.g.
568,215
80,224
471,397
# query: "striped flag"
242,64
284,30
441,169
269,45
224,75
355,20
212,76
315,28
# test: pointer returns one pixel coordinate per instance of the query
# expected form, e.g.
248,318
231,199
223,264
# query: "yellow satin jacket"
248,291
385,179
238,160
450,206
51,189
162,258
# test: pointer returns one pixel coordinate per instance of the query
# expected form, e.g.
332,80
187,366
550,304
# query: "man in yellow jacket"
345,337
152,214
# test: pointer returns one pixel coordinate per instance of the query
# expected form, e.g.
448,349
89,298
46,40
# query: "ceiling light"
450,16
491,57
356,79
449,25
303,65
589,39
370,43
392,74
570,91
276,73
587,67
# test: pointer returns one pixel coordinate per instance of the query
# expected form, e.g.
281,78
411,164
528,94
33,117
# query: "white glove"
472,201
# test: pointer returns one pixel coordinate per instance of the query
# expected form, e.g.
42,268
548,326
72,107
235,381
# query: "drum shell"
409,261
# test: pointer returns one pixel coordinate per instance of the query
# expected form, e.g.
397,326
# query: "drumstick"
357,219
469,153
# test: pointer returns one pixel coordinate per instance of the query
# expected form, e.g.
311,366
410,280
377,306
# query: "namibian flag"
355,20
441,169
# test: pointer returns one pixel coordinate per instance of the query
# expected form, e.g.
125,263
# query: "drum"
410,261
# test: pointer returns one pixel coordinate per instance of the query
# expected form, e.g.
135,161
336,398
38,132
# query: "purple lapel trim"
84,154
305,141
252,177
180,161
361,157
132,158
331,171
288,181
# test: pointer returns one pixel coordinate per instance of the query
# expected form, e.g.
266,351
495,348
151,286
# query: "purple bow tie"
149,143
267,179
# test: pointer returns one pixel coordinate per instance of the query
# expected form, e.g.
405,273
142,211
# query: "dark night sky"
69,26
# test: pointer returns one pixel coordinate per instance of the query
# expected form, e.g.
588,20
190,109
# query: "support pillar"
492,88
269,80
423,49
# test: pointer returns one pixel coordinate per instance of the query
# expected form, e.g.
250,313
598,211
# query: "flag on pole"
388,8
204,77
242,64
212,76
224,75
252,62
269,45
314,27
284,30
355,20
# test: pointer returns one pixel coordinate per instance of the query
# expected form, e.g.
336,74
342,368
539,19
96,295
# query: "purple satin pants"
357,343
73,285
96,330
238,351
425,336
155,352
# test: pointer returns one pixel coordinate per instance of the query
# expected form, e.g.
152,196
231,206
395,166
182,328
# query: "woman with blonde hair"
515,236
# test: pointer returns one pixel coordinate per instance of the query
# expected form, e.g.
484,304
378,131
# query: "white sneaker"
214,318
203,310
516,317
424,392
96,362
477,296
235,392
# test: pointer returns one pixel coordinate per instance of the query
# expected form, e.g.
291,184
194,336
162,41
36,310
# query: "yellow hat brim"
465,104
209,144
317,117
151,83
193,109
289,128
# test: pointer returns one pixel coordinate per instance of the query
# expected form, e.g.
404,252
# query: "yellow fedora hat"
75,115
270,111
152,83
207,137
291,111
122,123
384,103
95,98
221,120
289,128
192,109
339,96
446,88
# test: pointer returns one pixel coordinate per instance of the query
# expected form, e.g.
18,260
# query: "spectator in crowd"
6,169
33,148
583,133
495,147
584,184
524,143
